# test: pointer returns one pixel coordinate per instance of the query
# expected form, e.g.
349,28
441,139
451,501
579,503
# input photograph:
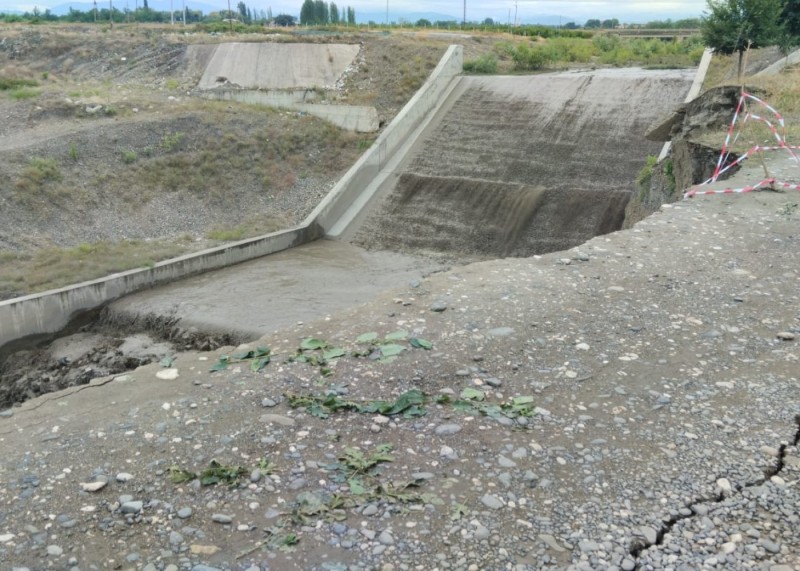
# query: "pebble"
724,485
491,501
277,419
501,332
438,306
54,550
446,429
268,403
124,477
221,518
386,538
770,545
133,507
786,336
185,513
93,486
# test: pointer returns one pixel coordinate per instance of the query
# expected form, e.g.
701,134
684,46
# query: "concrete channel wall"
358,118
426,101
50,311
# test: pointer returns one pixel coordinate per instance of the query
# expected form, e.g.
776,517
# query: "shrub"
487,63
129,156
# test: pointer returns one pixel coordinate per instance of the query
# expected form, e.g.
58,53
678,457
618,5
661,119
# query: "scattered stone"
786,336
447,429
277,419
491,501
501,332
133,507
204,549
185,513
649,534
221,518
167,374
93,486
6,537
438,306
124,477
268,403
54,550
551,542
724,485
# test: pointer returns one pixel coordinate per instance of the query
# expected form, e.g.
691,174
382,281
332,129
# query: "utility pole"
516,3
95,11
464,21
111,13
230,20
171,14
387,12
183,12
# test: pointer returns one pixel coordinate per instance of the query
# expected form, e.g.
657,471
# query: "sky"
578,10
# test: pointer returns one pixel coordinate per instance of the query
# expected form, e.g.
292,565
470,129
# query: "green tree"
307,13
593,23
351,15
334,12
735,25
320,12
284,20
791,18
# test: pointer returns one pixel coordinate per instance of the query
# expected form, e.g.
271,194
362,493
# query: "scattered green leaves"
167,362
410,404
216,473
367,337
472,402
258,359
312,344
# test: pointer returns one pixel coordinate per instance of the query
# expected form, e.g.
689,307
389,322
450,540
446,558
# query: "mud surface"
525,165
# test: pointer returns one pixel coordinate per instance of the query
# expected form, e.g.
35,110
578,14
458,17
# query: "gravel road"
662,431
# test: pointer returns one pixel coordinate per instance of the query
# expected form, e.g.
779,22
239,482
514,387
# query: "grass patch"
37,175
22,93
12,83
487,63
57,267
129,156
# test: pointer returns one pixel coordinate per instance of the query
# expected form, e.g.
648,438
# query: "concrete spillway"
514,166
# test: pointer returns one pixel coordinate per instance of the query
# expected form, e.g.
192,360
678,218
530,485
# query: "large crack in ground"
639,545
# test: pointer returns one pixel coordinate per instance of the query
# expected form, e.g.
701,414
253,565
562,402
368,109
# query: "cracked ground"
663,364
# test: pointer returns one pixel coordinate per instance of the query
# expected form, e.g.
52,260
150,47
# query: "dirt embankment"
106,162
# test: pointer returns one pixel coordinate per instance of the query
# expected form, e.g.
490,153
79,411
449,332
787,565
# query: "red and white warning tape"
730,139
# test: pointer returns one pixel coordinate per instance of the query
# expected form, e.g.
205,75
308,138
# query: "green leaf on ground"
257,364
367,337
391,350
242,355
167,362
333,353
418,343
221,364
472,394
312,344
397,336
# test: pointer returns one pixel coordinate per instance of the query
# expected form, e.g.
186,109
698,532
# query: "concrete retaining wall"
352,184
356,118
51,311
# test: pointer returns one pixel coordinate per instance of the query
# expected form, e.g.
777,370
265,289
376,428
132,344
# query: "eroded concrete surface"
273,65
271,293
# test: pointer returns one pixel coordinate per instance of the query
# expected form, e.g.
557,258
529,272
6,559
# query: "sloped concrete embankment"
525,165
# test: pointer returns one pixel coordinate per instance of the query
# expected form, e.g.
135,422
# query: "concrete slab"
277,66
277,291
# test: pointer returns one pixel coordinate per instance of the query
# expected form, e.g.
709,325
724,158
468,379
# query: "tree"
737,25
320,12
307,13
610,24
488,22
284,20
423,23
791,18
351,15
334,12
593,23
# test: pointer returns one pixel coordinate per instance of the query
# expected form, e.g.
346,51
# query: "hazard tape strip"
732,136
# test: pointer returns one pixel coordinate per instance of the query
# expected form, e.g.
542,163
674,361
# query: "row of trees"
320,13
